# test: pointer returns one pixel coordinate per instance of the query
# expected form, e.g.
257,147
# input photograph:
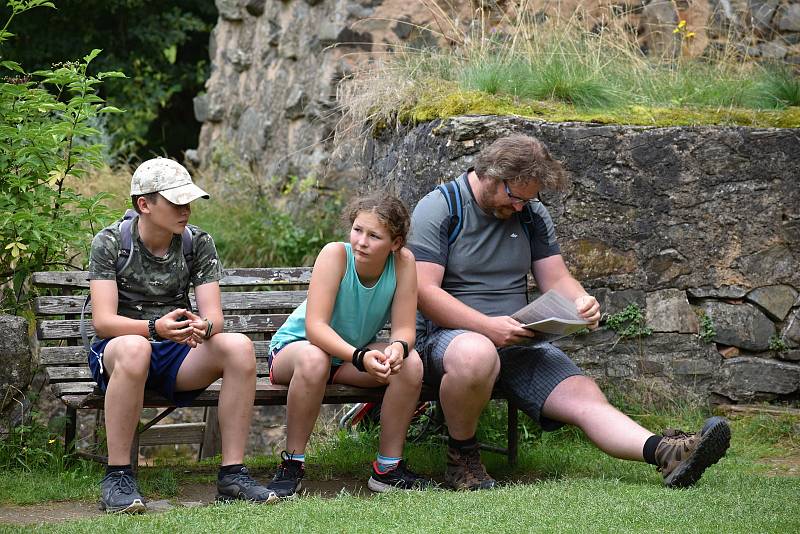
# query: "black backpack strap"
452,194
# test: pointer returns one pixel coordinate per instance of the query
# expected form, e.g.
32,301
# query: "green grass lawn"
562,483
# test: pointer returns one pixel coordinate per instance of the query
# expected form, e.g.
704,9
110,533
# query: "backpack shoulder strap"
452,194
126,239
186,247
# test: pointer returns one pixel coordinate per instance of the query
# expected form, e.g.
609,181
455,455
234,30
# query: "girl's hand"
375,364
394,357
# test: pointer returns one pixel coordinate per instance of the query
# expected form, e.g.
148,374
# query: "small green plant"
30,447
47,141
707,331
629,323
777,343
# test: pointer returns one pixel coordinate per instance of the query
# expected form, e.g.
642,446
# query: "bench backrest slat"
267,276
231,301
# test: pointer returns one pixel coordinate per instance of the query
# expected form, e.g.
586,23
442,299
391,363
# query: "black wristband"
404,344
358,359
151,328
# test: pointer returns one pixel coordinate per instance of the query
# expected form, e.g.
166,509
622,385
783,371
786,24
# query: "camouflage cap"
168,177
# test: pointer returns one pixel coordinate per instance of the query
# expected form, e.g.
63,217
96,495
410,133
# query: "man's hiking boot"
288,478
241,486
683,457
399,478
465,470
119,494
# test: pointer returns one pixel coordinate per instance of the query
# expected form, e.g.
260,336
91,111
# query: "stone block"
750,378
740,325
668,310
255,7
761,13
17,360
776,301
615,301
229,9
693,367
789,17
207,109
791,332
792,355
724,292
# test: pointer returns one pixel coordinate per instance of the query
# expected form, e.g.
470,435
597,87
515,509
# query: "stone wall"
270,102
683,222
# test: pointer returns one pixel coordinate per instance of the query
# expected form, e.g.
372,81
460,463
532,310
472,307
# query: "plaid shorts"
528,374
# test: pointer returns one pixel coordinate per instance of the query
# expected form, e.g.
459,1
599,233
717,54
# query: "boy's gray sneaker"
119,494
241,486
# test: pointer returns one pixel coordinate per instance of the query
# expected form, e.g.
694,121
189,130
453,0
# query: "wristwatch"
404,344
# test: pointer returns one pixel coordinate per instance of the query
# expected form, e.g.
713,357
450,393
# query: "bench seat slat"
240,301
266,276
174,433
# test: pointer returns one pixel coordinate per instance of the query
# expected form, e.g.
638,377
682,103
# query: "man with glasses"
470,284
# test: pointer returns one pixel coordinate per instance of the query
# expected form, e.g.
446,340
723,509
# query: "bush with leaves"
46,143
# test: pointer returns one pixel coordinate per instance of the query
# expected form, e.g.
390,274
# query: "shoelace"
123,483
244,479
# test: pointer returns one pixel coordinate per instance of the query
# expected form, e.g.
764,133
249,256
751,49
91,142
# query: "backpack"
452,194
124,257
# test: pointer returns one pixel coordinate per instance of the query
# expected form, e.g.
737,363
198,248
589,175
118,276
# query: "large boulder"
17,360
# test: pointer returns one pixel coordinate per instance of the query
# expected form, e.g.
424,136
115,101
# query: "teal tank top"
359,312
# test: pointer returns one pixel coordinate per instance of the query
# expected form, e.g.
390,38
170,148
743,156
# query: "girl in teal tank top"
331,338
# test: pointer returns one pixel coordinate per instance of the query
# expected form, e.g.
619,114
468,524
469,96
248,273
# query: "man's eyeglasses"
514,198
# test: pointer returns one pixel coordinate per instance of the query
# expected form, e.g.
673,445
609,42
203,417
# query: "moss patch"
446,100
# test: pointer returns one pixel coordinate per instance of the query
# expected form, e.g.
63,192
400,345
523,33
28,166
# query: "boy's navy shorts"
166,358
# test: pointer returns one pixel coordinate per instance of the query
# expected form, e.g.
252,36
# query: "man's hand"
394,357
505,331
376,365
588,309
180,331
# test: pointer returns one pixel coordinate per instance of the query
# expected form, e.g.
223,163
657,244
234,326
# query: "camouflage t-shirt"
151,286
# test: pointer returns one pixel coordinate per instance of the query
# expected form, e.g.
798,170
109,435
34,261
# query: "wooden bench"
255,302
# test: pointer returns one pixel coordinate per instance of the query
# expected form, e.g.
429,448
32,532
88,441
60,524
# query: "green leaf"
12,65
171,53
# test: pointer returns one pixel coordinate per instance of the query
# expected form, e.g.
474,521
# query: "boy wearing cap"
147,336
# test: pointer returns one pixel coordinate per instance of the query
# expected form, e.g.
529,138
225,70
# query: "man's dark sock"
115,468
649,450
229,469
461,444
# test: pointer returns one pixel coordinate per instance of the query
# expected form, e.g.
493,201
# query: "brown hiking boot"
683,457
465,470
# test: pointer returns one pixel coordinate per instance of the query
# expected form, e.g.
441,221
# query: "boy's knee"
413,367
130,355
238,350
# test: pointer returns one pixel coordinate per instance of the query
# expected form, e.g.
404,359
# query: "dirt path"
190,495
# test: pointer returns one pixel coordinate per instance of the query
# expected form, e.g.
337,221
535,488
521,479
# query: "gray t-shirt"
151,286
487,264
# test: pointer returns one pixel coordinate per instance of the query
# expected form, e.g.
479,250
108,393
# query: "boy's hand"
375,364
172,328
394,357
199,326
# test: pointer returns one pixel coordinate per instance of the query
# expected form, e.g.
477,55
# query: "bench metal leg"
212,439
69,433
513,433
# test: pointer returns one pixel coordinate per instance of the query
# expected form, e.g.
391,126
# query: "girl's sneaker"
399,478
288,478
